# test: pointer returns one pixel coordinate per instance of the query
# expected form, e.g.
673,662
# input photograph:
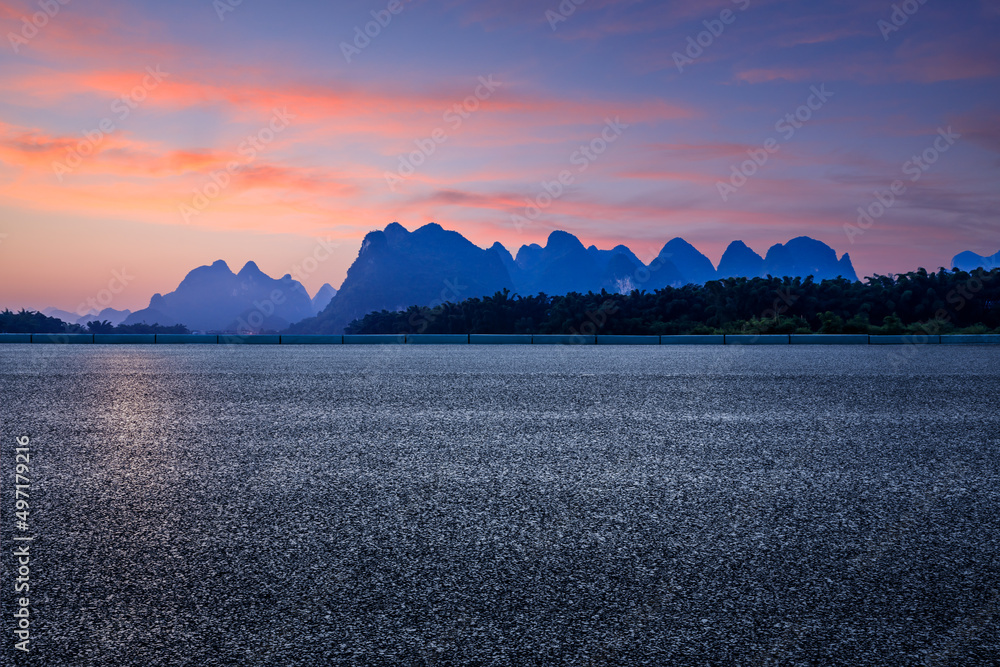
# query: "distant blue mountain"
111,315
969,261
562,266
803,256
505,257
622,273
693,266
63,315
397,268
322,298
604,257
213,298
800,257
739,261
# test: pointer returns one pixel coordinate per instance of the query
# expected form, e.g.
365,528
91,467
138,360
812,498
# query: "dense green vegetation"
107,327
917,302
27,321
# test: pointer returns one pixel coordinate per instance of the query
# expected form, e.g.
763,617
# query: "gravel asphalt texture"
517,505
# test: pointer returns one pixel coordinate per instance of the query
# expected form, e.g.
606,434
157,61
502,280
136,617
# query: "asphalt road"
505,506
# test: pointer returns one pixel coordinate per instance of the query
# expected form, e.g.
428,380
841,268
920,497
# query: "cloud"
927,57
981,127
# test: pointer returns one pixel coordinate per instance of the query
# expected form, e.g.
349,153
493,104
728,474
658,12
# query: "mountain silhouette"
969,261
213,298
621,274
739,261
604,257
620,270
693,266
116,317
564,265
505,257
396,268
803,256
111,315
322,298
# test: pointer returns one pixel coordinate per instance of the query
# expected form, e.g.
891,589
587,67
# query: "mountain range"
111,315
397,268
968,261
213,298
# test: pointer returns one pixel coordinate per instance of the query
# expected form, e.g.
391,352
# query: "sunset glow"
151,138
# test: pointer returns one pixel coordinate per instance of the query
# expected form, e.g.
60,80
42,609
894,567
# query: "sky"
141,139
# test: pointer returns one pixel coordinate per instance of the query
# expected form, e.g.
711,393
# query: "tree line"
29,321
917,302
